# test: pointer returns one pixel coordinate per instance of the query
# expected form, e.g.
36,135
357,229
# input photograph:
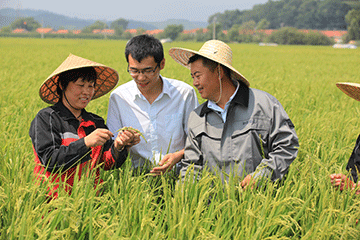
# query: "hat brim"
107,78
350,89
182,56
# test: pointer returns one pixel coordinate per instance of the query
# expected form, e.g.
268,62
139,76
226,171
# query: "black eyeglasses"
146,71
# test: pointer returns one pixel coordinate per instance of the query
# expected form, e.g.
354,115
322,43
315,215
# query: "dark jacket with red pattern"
354,162
59,146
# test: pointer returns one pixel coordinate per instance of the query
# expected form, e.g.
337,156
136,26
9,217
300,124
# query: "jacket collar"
66,114
241,97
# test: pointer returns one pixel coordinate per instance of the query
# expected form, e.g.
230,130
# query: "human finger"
162,169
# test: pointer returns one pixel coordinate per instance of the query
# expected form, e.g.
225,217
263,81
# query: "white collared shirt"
223,112
163,123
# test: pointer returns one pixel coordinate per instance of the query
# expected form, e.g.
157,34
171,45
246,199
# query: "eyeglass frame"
149,72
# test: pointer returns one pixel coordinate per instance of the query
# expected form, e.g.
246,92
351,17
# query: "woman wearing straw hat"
68,140
339,180
239,130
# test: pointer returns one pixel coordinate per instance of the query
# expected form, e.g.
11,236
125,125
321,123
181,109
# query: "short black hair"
86,73
210,64
143,46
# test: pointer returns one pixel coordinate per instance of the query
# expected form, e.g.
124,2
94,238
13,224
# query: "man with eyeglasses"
157,106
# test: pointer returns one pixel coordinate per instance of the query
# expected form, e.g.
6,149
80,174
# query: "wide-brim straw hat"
215,50
350,89
107,78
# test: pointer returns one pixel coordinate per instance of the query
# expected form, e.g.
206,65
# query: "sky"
138,10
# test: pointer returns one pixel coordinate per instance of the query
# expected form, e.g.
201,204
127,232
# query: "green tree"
289,12
287,35
119,22
6,29
126,35
308,15
332,14
353,21
119,31
140,31
202,36
218,30
263,24
233,33
227,19
269,11
29,23
173,31
248,27
96,25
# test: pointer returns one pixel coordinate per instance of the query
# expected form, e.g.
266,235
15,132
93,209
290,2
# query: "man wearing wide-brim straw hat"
340,180
68,140
239,130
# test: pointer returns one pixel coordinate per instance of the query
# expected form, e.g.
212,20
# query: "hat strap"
71,105
220,84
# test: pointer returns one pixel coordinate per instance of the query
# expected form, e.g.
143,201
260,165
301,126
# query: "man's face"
146,73
206,81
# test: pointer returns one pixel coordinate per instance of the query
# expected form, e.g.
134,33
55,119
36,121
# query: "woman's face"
78,94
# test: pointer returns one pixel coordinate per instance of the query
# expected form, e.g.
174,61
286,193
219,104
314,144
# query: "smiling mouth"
142,84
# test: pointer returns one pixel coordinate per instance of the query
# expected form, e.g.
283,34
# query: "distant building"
62,31
76,31
20,30
336,35
108,31
154,32
44,30
194,31
132,31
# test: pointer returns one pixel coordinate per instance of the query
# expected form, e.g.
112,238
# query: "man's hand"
126,138
342,182
247,181
168,161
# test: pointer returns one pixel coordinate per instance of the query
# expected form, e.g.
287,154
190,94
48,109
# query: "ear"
162,64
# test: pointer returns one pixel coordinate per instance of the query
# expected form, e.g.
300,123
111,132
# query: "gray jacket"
257,138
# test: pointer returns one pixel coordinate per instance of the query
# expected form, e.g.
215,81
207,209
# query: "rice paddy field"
304,206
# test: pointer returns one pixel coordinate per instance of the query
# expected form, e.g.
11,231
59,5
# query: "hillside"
56,21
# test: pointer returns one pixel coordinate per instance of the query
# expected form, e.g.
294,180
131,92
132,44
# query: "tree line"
300,14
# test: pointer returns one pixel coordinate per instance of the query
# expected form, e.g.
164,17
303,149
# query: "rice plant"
140,206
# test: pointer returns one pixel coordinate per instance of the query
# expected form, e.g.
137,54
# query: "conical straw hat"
215,50
350,89
107,78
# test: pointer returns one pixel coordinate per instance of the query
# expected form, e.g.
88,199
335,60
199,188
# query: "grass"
303,206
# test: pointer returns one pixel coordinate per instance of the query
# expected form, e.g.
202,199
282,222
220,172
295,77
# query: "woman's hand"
98,137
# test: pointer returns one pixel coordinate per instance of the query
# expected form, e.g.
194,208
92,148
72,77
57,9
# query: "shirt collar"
166,89
241,97
215,107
